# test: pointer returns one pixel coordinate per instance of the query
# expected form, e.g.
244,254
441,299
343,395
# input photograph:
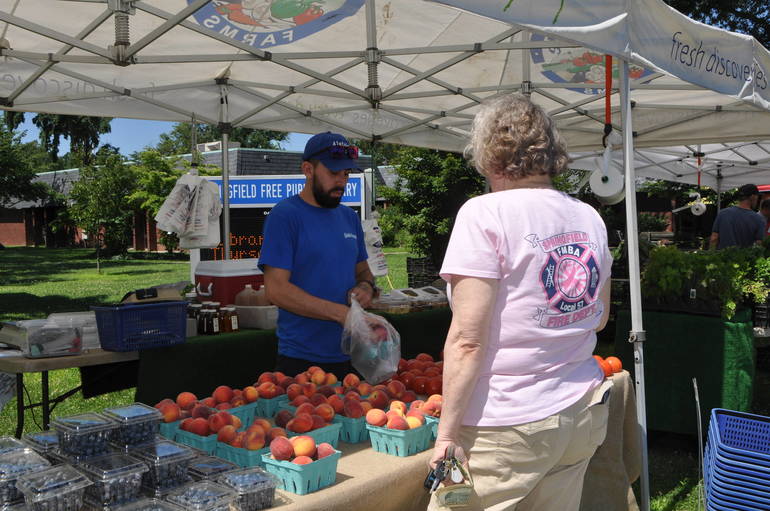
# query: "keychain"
458,494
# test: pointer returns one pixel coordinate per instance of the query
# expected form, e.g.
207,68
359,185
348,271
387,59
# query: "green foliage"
383,154
83,133
431,187
745,16
16,173
647,222
178,140
722,280
392,225
101,204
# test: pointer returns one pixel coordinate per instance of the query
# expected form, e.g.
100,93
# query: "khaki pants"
538,466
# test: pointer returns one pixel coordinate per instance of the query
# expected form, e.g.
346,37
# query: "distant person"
764,213
739,225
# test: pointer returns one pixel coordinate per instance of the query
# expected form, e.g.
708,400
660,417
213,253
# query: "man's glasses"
339,152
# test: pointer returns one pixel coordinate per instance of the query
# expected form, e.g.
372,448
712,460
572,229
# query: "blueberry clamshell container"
56,488
209,467
85,434
137,424
168,462
255,487
203,496
148,505
42,442
117,479
13,465
9,443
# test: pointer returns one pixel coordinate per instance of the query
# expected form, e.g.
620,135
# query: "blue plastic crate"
304,479
732,453
734,485
742,433
133,327
241,457
738,497
718,504
353,431
398,442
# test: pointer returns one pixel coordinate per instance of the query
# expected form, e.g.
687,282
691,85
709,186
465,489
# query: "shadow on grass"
26,305
673,468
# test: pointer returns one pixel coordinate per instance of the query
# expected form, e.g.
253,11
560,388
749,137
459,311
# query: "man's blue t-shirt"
320,247
738,227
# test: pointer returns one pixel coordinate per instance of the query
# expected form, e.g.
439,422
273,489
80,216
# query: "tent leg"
637,334
224,124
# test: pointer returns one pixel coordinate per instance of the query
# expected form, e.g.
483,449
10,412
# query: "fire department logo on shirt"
570,278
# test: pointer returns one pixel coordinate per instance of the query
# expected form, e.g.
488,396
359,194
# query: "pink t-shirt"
549,252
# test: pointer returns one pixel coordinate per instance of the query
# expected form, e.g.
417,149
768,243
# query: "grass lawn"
36,282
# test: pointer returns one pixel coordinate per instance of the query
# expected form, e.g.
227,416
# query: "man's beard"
324,199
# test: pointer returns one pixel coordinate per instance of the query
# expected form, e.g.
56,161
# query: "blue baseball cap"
333,150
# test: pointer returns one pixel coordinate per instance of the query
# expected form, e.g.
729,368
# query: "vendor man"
314,258
739,225
764,215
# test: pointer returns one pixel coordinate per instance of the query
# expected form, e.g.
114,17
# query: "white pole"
637,334
224,123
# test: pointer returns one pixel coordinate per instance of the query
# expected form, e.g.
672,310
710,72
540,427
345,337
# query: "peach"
164,402
339,390
376,417
326,390
424,357
397,422
254,440
265,377
401,365
414,422
331,379
364,388
304,445
318,399
353,409
309,389
185,424
432,408
352,395
185,414
237,401
302,378
294,390
278,375
435,397
301,423
350,380
396,388
416,412
408,396
279,391
267,390
285,381
226,433
186,400
336,403
378,399
318,422
235,421
326,411
393,413
250,394
237,392
299,400
283,417
261,423
170,411
399,406
318,377
307,408
238,440
222,394
209,401
218,421
200,426
366,405
281,449
313,369
417,403
223,406
274,433
432,372
302,460
324,449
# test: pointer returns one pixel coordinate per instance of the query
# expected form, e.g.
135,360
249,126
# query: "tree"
431,187
178,140
17,175
101,206
745,16
382,154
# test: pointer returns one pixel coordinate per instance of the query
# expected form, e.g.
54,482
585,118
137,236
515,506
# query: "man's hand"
363,292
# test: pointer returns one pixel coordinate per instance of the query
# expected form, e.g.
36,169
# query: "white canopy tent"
399,71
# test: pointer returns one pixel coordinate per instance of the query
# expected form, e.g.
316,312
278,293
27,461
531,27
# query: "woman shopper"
528,267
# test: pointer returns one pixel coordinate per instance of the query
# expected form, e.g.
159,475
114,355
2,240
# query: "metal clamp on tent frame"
638,336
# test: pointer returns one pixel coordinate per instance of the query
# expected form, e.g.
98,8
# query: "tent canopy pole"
637,334
225,127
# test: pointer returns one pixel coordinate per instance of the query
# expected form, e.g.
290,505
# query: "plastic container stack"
737,461
168,463
84,435
148,505
54,489
43,443
203,496
9,443
117,479
137,424
209,467
13,465
255,488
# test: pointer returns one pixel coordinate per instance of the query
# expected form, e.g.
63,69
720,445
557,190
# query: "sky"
132,135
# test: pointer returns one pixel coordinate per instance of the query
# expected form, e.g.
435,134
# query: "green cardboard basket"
353,431
268,407
169,429
433,423
208,444
398,442
304,479
241,457
329,434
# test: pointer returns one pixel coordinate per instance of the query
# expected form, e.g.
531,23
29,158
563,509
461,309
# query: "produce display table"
680,347
237,359
22,365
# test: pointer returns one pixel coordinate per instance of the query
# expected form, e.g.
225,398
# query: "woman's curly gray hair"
514,137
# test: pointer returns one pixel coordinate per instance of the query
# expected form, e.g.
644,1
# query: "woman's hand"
439,453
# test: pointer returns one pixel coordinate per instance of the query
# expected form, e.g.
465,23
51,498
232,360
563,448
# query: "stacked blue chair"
736,462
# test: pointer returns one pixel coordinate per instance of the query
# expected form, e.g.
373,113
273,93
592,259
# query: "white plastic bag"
373,344
373,240
173,214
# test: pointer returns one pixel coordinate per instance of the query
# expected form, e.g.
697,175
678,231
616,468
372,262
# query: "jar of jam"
224,320
233,319
194,310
